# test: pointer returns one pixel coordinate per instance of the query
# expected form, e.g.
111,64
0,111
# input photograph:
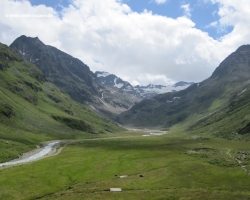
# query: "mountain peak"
245,47
24,38
236,65
229,80
102,74
112,80
182,83
57,65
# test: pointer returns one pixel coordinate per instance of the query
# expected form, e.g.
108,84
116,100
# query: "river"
48,148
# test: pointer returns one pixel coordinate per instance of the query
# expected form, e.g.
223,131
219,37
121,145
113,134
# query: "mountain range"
144,92
73,77
230,79
199,107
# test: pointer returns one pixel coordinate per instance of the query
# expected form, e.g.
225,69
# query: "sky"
141,41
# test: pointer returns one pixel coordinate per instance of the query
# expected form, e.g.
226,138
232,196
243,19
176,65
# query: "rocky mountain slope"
143,92
230,78
68,73
33,110
114,81
72,76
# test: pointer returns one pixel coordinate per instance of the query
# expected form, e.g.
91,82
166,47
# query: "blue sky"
141,41
202,14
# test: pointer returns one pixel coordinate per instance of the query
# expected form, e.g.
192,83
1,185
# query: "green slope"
187,106
231,121
34,110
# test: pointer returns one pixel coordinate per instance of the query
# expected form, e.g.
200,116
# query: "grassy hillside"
231,121
34,110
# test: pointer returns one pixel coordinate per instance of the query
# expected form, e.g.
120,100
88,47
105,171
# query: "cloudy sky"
141,41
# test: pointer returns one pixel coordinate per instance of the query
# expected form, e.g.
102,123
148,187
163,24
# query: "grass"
180,165
173,168
230,121
33,110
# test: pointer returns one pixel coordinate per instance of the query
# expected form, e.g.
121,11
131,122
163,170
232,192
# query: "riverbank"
45,149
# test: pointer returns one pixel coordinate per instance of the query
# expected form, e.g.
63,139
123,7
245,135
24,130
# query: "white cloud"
160,1
138,47
186,9
235,14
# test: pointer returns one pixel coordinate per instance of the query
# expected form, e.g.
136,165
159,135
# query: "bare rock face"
68,73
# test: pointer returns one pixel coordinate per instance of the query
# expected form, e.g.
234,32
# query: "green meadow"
173,166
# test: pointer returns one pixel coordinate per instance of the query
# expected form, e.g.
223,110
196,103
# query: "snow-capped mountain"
151,90
114,81
144,92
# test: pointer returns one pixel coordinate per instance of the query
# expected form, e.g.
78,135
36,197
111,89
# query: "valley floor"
158,167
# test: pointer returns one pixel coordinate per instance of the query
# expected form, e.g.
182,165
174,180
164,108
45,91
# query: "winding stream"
45,150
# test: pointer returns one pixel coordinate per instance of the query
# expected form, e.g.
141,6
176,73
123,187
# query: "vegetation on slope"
34,110
231,121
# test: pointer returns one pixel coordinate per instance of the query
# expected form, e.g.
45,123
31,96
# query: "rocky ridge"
143,92
73,77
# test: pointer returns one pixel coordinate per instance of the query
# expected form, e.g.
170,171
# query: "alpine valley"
213,104
118,141
185,104
75,78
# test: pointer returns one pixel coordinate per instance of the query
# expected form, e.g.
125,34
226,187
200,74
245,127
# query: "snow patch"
158,133
104,74
159,90
93,108
242,92
103,102
119,85
21,52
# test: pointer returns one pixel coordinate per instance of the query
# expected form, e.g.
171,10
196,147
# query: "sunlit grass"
87,169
